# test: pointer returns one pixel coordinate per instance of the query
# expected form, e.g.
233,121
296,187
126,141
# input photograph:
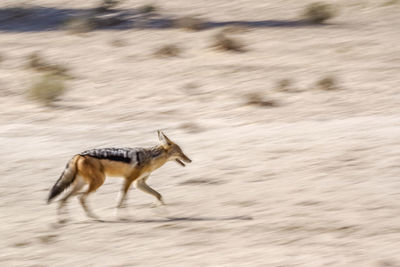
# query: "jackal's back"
126,154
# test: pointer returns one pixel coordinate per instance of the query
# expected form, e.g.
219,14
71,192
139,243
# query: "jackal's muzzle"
184,158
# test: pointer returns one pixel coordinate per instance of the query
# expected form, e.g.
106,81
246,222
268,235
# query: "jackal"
133,164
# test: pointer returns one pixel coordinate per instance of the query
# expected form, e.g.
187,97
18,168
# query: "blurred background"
289,110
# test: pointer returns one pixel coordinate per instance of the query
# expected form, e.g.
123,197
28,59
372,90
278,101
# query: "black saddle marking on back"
140,157
114,154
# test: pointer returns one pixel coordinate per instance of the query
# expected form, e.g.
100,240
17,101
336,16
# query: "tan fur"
93,171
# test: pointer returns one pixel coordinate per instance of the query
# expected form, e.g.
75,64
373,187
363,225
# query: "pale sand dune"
311,182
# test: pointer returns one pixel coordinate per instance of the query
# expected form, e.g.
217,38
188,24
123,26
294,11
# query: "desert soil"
312,180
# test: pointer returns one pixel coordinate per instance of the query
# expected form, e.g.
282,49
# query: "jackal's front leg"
141,185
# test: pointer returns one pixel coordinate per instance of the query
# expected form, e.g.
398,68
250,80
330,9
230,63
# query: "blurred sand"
311,182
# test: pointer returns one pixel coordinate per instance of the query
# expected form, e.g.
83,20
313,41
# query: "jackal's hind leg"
141,185
125,189
85,207
78,185
94,184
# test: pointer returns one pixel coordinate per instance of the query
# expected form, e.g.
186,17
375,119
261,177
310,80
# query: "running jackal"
134,164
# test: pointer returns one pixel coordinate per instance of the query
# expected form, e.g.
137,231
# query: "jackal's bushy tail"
66,179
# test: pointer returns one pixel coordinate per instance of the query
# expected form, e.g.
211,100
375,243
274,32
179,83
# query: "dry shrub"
36,62
257,99
106,5
168,51
22,244
391,2
284,85
107,21
222,42
80,24
287,85
190,127
47,89
191,88
47,239
327,83
118,43
318,12
19,11
146,9
190,23
232,29
102,16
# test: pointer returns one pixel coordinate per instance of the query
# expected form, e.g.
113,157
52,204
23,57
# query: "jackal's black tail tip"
55,191
49,199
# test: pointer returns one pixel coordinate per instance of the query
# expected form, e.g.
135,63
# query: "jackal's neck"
157,152
157,156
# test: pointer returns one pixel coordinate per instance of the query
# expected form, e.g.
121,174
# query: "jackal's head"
173,150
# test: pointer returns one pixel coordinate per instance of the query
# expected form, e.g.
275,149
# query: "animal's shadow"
172,219
38,18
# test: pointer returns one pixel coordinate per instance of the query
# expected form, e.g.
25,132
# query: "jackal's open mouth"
183,158
180,162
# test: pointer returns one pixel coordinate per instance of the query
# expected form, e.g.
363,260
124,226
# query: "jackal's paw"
122,216
94,217
123,206
157,204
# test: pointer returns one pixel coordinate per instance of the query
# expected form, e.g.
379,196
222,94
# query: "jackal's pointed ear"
164,140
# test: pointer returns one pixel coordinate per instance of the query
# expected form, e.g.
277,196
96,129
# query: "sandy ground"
313,181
